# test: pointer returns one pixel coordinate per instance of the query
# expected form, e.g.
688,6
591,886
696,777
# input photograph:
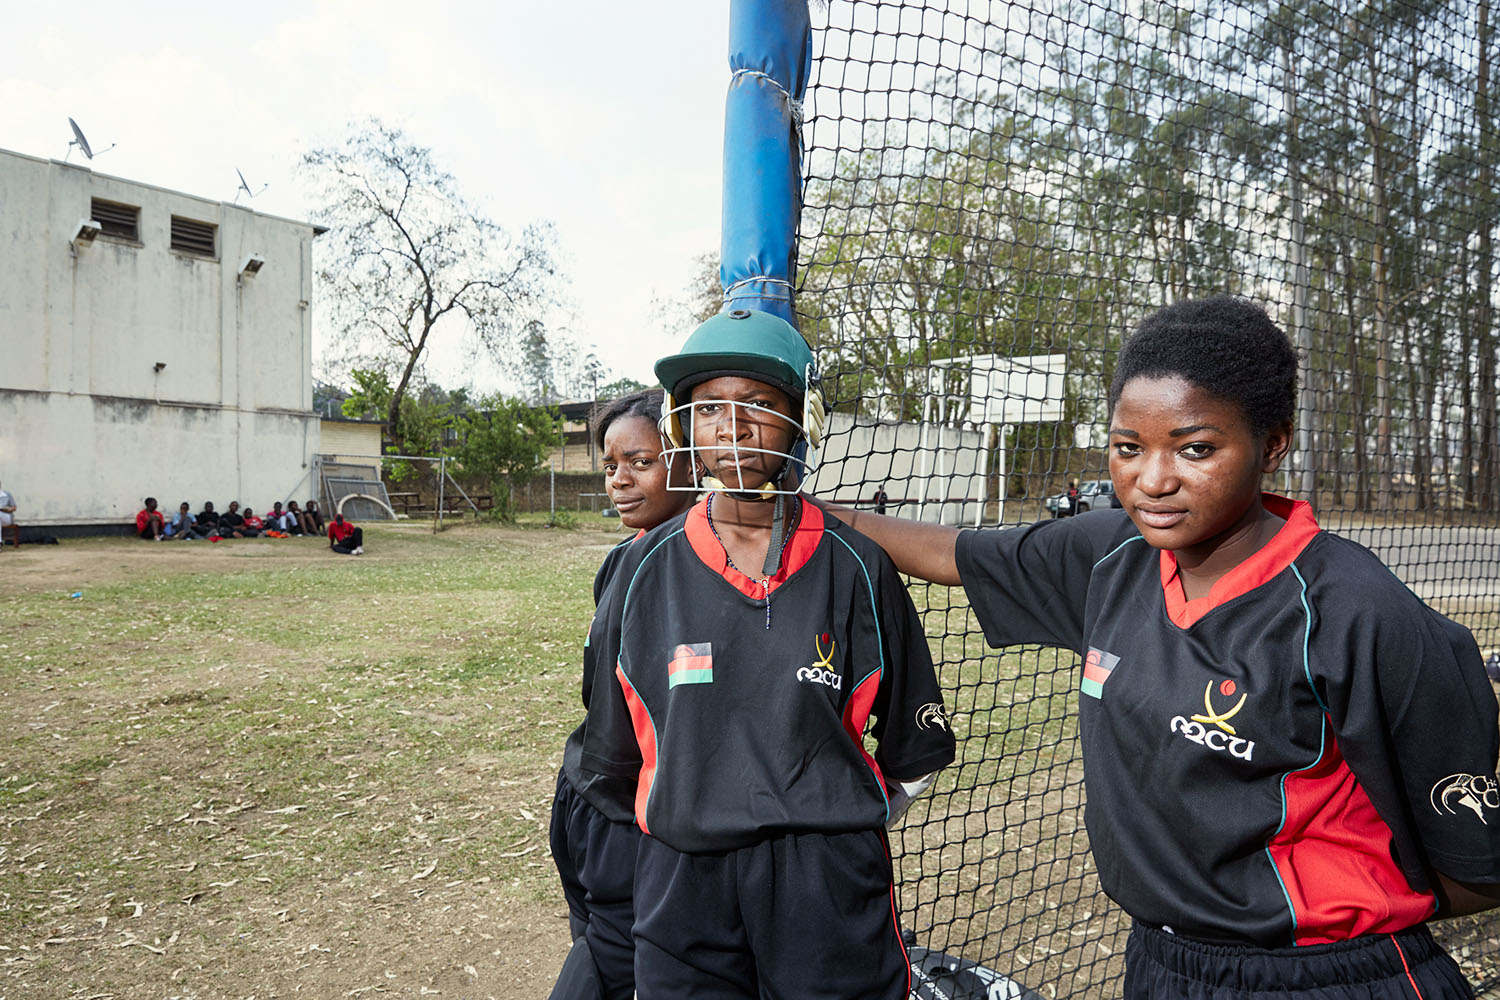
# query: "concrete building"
151,343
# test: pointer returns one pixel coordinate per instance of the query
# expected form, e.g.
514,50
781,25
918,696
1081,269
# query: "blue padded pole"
770,56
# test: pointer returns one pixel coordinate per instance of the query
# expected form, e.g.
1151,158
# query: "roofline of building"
318,230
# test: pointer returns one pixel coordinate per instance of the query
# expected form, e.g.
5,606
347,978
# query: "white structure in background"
900,457
151,343
940,468
1003,392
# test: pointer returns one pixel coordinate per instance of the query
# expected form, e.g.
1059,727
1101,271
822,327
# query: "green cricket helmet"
751,344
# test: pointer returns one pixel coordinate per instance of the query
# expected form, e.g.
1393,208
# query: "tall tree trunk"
1379,222
1356,381
1489,447
1300,334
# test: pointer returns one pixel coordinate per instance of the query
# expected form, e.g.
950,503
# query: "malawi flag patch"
691,663
1097,667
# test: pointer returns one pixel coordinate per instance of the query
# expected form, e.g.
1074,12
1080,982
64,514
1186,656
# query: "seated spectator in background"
184,526
344,538
7,511
232,522
208,519
314,518
280,519
298,520
150,524
253,525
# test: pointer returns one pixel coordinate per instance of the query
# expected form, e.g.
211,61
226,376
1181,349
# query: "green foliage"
423,421
506,442
619,387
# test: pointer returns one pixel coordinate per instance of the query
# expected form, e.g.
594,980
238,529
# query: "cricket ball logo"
822,670
1220,719
1221,737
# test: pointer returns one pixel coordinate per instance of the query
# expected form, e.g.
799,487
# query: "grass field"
258,769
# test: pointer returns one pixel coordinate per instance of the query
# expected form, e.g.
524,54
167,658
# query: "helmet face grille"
730,465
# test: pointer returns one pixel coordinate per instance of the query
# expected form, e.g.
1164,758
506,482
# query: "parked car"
1092,494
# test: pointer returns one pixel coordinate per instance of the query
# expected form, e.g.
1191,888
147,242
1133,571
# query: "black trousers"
1407,965
802,916
595,858
348,545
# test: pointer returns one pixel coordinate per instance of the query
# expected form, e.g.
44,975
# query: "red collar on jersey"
1272,559
799,548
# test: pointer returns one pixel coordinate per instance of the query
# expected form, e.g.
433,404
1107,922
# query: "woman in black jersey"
593,844
1289,758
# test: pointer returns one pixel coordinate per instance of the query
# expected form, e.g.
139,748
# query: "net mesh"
1030,179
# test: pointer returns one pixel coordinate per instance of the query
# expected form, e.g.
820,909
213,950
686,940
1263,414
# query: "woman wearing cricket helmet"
743,732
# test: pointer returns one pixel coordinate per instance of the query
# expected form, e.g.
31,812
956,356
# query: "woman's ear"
1278,443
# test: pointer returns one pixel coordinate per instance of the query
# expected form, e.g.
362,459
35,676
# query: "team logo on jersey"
1097,666
691,663
1474,792
1222,737
932,716
822,671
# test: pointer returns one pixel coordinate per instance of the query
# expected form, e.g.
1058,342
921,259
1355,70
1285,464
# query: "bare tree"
407,259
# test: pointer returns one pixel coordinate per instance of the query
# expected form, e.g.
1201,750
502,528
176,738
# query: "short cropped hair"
645,403
1226,346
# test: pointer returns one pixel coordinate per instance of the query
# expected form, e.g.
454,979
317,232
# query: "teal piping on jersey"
1322,745
1134,538
879,644
655,732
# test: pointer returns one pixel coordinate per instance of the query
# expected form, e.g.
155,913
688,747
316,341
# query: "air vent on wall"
192,236
116,219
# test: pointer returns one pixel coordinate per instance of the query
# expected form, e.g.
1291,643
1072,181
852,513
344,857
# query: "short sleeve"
912,729
1030,584
1420,727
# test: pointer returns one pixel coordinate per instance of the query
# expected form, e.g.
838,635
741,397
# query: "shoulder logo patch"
822,670
691,663
1222,737
932,716
1474,792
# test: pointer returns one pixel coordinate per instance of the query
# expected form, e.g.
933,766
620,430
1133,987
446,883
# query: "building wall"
349,442
128,368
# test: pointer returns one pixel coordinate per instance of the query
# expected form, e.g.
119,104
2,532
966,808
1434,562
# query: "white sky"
603,117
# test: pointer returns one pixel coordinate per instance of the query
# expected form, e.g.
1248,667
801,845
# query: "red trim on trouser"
896,915
645,738
1407,967
1334,858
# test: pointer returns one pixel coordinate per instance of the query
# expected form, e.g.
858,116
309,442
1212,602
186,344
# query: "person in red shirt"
345,538
253,524
150,524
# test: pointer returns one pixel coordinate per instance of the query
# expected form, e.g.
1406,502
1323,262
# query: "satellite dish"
245,187
82,142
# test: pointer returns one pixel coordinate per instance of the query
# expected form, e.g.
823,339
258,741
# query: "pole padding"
770,56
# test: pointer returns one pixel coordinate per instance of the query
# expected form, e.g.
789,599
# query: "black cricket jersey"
1286,761
611,797
740,710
